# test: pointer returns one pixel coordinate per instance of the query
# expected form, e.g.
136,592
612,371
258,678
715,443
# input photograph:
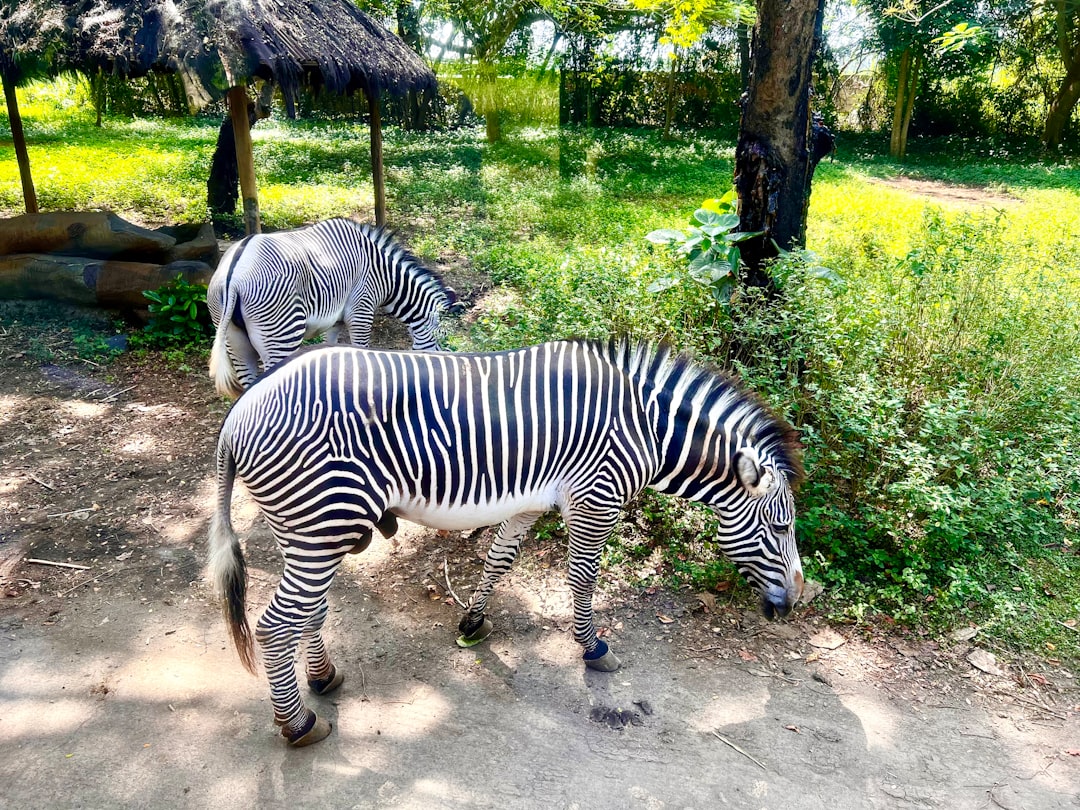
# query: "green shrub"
179,316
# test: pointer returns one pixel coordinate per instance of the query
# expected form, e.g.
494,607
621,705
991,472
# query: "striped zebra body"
337,439
270,292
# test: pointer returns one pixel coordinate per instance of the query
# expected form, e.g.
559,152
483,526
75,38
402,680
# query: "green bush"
179,317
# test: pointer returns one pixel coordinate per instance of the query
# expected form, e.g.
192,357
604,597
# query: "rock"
827,639
964,633
94,234
811,590
87,281
203,247
985,661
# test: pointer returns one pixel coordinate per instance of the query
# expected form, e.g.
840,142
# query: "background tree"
1066,19
685,22
906,31
774,160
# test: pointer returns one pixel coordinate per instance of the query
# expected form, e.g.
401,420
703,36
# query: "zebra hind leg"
322,676
297,611
474,626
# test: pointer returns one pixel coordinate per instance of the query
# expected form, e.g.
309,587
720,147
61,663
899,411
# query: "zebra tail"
222,372
228,572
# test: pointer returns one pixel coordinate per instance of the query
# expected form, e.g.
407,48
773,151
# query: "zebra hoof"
325,686
314,729
603,660
477,635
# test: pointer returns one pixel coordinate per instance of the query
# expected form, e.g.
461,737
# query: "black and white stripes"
337,438
271,291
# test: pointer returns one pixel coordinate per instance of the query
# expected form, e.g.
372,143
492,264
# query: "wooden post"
245,161
19,139
376,158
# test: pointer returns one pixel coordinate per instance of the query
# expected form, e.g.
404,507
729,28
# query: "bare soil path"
118,687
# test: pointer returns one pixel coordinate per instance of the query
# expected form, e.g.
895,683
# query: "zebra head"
757,530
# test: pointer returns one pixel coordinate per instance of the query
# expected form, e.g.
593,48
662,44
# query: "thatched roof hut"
217,47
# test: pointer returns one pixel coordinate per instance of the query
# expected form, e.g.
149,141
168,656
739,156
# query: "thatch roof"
217,44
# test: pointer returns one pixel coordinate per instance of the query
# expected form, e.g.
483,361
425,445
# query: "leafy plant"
178,315
710,248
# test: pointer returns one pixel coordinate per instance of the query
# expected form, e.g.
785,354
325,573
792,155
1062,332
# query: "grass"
937,390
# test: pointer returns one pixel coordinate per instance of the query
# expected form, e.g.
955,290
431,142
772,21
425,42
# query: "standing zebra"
271,291
340,440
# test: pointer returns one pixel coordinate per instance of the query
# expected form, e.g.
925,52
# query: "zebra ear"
755,478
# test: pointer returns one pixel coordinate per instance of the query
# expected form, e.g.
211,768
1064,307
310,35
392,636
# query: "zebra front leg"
474,626
589,530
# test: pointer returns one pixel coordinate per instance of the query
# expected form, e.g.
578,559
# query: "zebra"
340,441
271,291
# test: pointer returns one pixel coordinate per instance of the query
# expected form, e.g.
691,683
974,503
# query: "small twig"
72,512
98,578
1069,626
59,564
726,741
1036,704
446,572
45,484
116,394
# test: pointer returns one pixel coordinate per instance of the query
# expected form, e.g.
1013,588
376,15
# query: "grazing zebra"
271,291
340,440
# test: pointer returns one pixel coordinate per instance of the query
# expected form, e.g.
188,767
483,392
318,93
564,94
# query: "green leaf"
665,236
707,217
826,274
722,292
742,236
661,284
692,243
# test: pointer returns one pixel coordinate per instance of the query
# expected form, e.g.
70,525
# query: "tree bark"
1064,103
773,166
909,106
18,137
742,31
245,161
377,159
900,103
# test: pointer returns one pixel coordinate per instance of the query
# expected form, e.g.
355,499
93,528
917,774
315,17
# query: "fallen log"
96,234
91,282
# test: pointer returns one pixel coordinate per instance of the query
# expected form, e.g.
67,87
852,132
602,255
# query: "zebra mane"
669,369
384,239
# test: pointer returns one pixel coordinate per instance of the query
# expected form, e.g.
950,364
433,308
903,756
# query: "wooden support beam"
19,139
377,158
245,160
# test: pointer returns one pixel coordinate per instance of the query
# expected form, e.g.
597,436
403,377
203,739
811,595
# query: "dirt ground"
118,686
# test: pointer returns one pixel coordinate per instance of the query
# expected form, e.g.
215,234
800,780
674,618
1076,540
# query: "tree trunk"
1064,103
773,166
222,186
742,31
239,112
492,125
900,103
408,29
669,106
18,137
909,105
377,159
